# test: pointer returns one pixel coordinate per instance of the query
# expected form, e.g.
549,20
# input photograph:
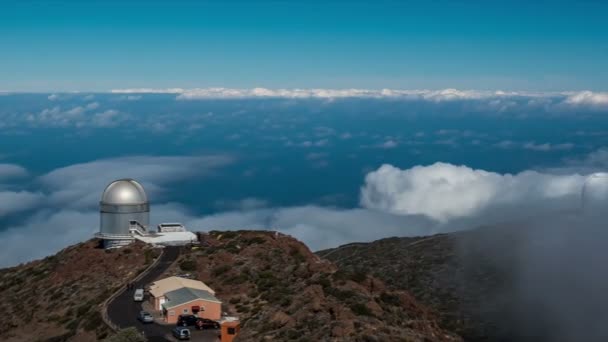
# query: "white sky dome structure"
124,191
125,216
124,207
595,195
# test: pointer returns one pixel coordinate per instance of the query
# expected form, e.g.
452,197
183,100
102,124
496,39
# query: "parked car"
181,333
145,317
204,323
138,296
186,320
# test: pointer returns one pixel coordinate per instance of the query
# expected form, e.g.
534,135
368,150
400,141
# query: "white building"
125,216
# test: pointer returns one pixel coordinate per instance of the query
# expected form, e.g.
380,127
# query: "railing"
112,236
136,227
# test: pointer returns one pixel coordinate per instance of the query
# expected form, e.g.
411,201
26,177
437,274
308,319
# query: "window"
231,331
185,311
171,313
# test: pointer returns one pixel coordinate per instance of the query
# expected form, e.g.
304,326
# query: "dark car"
204,323
181,333
186,320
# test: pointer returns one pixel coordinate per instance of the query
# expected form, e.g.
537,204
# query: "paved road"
123,310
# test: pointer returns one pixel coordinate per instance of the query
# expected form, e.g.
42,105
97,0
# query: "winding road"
123,311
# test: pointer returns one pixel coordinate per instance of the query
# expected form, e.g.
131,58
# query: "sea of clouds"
421,200
52,210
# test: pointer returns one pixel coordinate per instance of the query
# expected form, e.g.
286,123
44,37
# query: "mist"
539,280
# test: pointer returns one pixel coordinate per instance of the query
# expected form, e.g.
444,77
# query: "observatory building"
125,216
124,211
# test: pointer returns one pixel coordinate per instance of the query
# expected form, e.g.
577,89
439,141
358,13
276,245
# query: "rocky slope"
58,298
281,291
430,268
275,284
533,280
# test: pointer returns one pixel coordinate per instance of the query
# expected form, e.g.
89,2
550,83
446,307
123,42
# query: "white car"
145,317
139,295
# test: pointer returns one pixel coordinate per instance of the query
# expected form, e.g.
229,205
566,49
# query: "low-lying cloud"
74,116
588,98
421,200
11,170
498,98
444,191
64,211
79,185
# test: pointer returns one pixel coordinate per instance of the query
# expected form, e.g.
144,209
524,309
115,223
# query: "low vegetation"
62,294
281,291
126,335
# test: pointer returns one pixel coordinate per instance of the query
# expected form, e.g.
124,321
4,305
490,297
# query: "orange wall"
155,302
212,310
226,337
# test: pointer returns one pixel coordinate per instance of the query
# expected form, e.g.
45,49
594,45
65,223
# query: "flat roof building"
176,296
188,301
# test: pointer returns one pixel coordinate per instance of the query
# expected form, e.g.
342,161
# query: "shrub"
218,270
126,335
296,254
390,298
237,279
93,321
73,325
149,255
293,334
343,295
253,293
83,309
188,265
254,240
324,281
232,247
360,309
285,302
358,276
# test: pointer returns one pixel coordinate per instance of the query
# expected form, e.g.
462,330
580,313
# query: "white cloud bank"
422,200
319,227
11,170
444,191
588,98
64,210
79,185
221,93
13,202
76,116
569,98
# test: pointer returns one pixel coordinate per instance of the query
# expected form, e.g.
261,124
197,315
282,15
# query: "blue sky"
97,46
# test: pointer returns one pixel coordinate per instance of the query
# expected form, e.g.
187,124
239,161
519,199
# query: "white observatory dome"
124,210
124,191
595,194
